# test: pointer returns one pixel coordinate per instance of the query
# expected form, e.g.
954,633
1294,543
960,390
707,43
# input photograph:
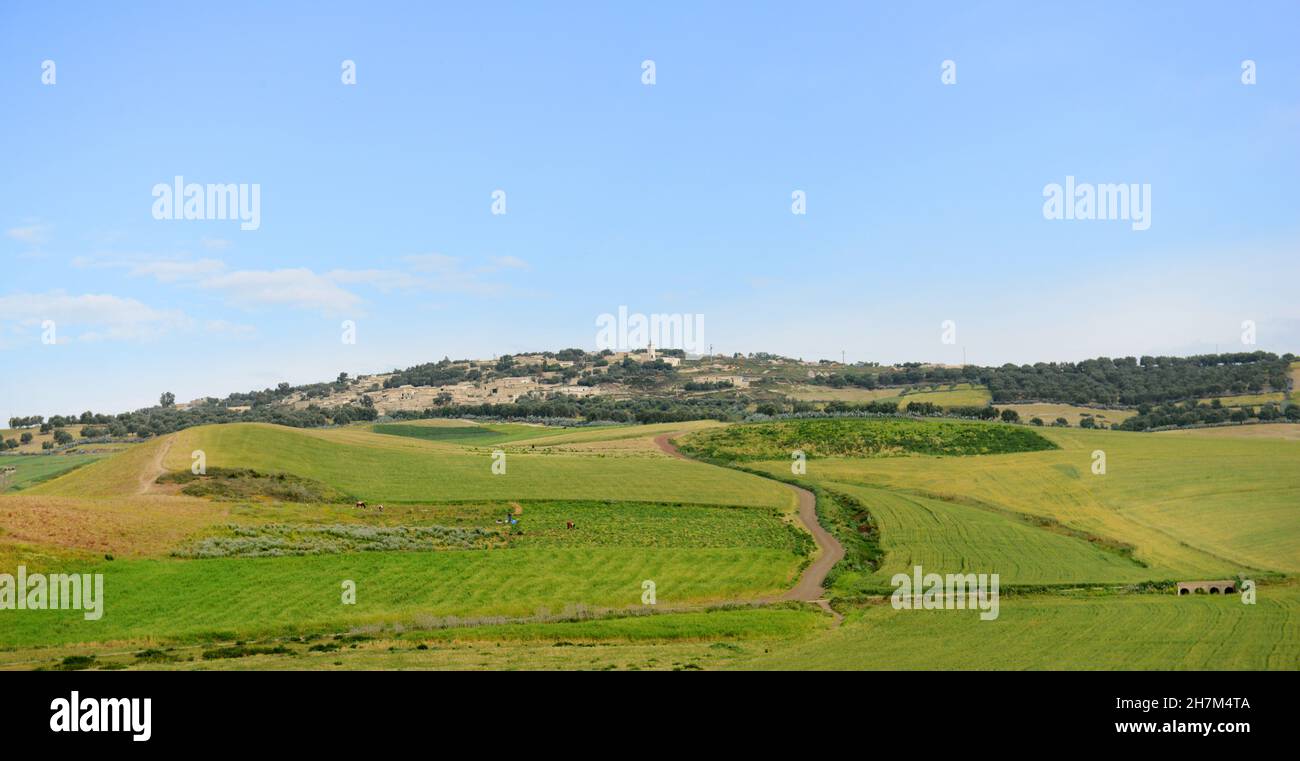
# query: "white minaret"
650,351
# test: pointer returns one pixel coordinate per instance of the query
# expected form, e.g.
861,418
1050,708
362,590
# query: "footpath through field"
829,549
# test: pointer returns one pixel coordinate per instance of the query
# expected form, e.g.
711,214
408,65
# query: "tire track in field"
830,551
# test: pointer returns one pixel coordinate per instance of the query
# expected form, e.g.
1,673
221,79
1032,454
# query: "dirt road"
809,588
149,478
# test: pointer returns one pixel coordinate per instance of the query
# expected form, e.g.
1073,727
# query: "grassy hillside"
125,473
383,468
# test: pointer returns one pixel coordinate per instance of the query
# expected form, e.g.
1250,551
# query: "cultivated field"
29,470
953,395
1083,632
1048,413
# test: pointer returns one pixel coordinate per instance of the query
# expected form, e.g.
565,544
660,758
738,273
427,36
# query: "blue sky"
924,200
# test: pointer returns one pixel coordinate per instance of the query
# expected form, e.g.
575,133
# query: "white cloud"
384,280
298,287
102,317
229,329
168,271
30,234
294,287
304,288
449,274
506,263
434,263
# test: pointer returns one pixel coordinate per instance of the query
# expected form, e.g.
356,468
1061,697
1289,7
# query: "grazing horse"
361,504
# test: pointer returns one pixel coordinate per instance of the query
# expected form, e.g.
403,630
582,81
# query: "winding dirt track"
809,588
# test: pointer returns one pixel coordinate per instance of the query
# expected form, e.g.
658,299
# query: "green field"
1057,632
710,639
169,600
33,469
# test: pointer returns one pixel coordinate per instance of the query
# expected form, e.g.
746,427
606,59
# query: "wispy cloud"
450,274
90,317
304,288
505,263
228,329
33,235
384,280
169,271
297,287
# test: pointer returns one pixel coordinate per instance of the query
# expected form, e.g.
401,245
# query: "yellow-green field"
1250,400
953,395
1048,413
1247,431
951,537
